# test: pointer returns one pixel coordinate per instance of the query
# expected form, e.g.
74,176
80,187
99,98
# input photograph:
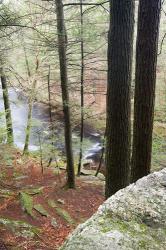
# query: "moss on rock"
133,218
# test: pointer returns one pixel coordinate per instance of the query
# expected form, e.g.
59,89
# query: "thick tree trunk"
9,127
82,90
146,61
118,95
65,94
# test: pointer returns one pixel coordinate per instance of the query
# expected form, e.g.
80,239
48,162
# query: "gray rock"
54,223
132,219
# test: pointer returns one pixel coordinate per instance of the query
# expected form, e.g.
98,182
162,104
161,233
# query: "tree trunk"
82,90
120,47
62,43
145,81
30,104
28,128
9,127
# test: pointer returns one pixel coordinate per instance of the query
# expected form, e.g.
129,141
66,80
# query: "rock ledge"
133,218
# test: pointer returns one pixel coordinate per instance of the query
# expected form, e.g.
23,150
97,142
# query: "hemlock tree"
145,81
9,127
120,46
62,43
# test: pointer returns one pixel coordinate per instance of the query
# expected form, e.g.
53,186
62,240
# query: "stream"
40,126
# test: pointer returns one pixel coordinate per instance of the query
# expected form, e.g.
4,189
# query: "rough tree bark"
120,47
9,127
145,80
62,43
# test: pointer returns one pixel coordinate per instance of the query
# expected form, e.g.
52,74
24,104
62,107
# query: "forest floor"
36,210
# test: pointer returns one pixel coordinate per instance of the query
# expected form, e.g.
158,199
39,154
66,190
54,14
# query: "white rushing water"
40,121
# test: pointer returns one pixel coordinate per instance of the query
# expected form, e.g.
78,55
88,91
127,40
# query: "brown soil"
79,203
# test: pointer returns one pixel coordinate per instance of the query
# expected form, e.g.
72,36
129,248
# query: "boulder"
133,218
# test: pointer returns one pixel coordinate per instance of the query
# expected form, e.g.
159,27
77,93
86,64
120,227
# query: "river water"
40,126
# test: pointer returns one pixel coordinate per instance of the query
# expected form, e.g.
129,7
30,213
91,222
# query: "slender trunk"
82,91
30,107
102,156
29,119
118,96
51,123
65,93
26,61
49,101
28,128
9,127
41,153
31,101
145,81
50,117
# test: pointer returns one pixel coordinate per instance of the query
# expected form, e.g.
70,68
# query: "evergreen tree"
62,43
120,47
145,81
